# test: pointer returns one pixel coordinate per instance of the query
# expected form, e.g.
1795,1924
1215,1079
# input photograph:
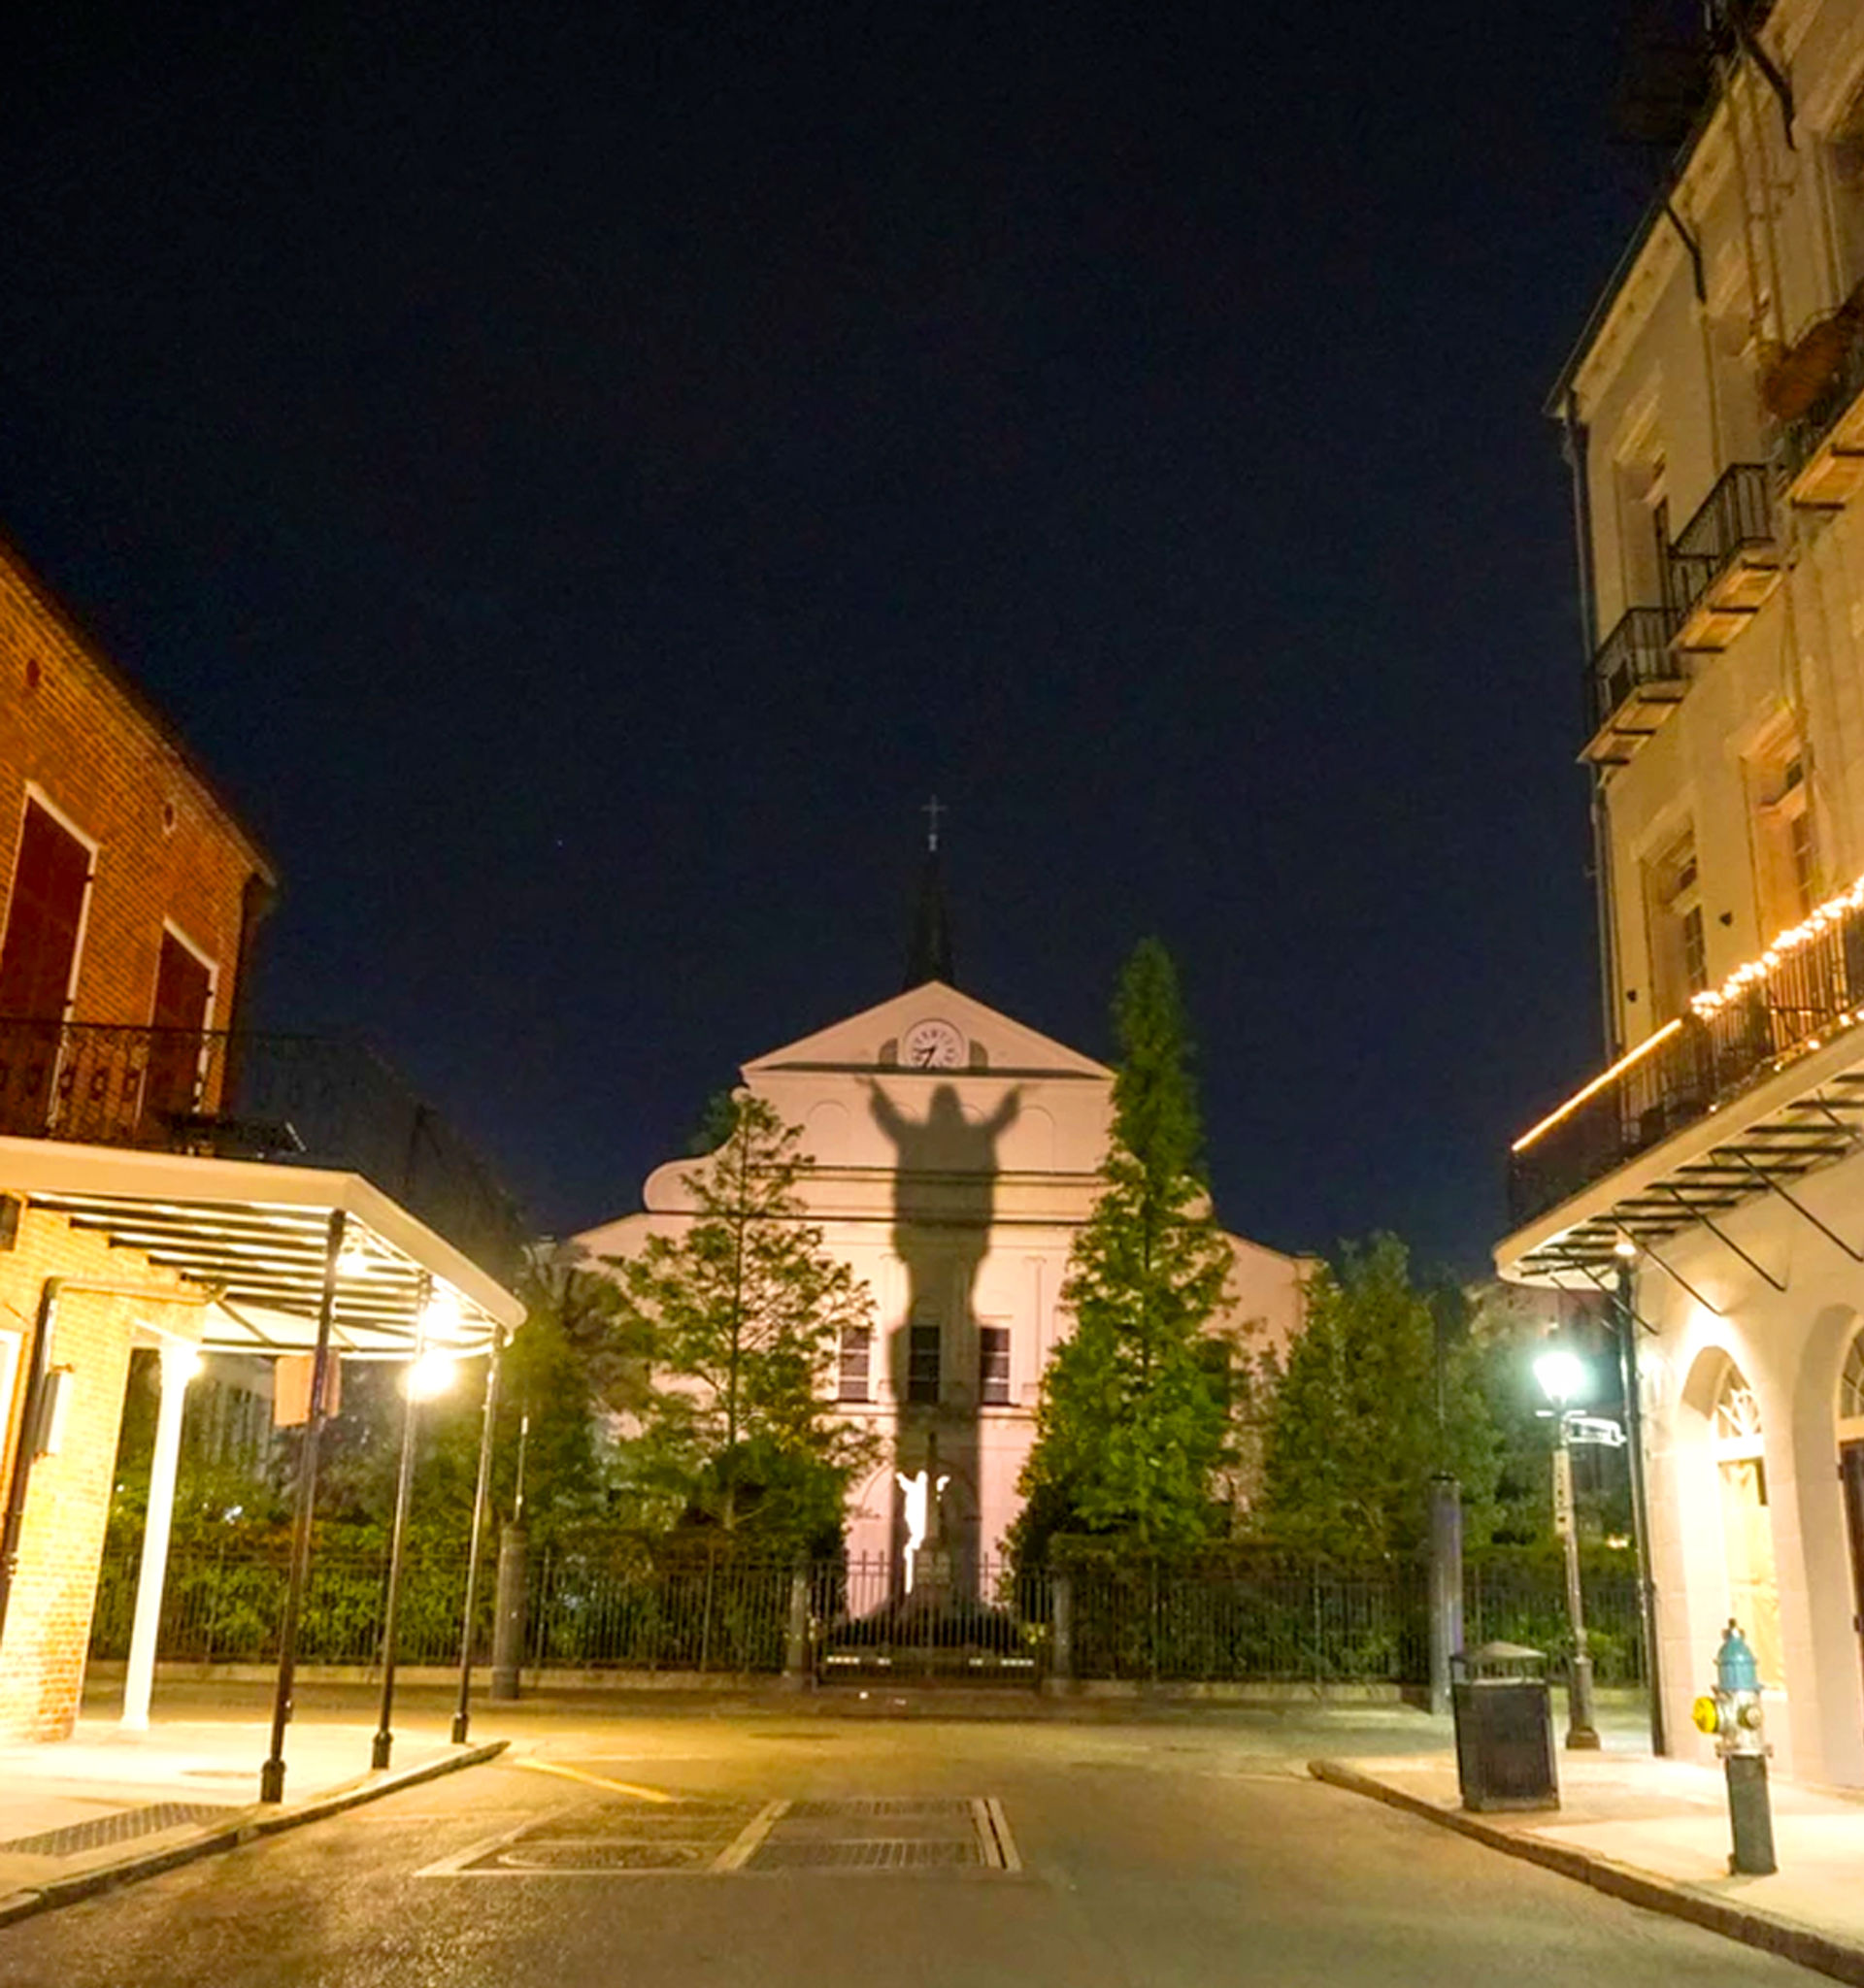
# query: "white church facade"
956,1154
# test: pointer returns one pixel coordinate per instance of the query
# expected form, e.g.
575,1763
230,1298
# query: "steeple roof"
929,952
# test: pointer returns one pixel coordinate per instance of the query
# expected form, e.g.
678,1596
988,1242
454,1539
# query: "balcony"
1726,560
1822,437
1635,682
1807,990
283,1100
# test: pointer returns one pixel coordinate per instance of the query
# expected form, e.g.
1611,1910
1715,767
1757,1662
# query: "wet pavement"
758,1846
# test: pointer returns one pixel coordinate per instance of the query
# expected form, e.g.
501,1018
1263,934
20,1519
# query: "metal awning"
255,1234
1762,1141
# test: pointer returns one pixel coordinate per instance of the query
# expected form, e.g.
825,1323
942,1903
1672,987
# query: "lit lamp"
1564,1378
431,1374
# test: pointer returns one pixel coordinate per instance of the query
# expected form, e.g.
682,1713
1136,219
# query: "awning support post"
272,1773
385,1741
178,1360
462,1713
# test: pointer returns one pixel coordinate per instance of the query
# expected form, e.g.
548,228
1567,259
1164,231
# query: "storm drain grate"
883,1805
884,1854
120,1826
569,1854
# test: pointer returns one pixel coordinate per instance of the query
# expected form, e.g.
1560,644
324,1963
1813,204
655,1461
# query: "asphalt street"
793,1852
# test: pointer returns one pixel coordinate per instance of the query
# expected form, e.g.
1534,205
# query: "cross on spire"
932,809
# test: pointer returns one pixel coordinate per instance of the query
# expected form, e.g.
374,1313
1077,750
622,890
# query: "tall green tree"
1382,1389
742,1312
1133,1420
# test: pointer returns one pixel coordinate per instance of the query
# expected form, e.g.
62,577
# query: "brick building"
167,1178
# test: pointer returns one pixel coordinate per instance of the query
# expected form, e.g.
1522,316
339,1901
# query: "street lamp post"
1562,1376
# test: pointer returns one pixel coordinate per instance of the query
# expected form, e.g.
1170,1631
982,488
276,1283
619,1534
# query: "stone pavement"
107,1804
1657,1831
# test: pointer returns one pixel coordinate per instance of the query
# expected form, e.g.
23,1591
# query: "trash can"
1504,1728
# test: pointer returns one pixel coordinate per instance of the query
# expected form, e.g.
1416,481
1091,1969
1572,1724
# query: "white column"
178,1363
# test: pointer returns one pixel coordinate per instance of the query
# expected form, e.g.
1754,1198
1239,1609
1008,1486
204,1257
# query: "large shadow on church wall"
944,1197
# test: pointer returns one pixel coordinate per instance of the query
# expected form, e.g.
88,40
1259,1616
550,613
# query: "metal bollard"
796,1639
1733,1714
508,1613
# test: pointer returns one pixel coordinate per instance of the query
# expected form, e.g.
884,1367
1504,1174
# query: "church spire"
928,956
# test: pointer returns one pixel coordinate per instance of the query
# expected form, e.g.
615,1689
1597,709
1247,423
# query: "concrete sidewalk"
1656,1832
107,1806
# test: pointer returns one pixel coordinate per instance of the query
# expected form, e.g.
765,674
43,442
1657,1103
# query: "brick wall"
48,1629
168,848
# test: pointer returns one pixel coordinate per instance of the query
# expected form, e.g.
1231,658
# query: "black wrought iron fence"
1509,1604
959,1616
223,1607
619,1609
1285,1624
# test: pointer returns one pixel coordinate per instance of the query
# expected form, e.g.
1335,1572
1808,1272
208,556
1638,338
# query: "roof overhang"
255,1234
1802,1116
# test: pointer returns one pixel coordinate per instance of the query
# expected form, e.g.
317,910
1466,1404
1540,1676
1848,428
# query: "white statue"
917,1493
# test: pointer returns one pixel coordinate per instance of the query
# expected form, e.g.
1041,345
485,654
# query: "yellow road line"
576,1773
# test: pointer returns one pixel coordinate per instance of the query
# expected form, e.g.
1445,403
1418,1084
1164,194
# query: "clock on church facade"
933,1045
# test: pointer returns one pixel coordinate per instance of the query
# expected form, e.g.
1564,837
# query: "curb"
1766,1931
249,1826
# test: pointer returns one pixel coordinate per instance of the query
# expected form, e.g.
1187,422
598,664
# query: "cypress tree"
1132,1423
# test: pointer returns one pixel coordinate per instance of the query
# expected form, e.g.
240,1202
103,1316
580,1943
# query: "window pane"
923,1364
994,1364
857,1345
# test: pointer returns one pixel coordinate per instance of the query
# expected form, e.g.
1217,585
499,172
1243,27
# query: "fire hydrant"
1733,1715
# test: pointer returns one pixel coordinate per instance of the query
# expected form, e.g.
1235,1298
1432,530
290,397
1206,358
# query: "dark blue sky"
582,476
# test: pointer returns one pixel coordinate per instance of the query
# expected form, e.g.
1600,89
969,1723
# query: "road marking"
993,1833
749,1839
576,1773
455,1866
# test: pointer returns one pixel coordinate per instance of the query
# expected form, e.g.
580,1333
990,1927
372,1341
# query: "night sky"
581,477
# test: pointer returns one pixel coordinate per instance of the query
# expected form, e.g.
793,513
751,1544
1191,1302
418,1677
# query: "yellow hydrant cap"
1705,1715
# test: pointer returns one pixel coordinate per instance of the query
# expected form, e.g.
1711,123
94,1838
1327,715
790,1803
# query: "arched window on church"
1740,1449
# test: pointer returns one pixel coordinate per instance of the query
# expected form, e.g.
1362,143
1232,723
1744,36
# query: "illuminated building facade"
956,1154
1714,412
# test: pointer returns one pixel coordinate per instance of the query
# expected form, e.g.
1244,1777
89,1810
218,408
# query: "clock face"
932,1046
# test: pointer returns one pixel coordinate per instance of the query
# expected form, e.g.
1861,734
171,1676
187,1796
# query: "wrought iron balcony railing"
308,1100
1731,534
1821,446
1697,1064
1634,661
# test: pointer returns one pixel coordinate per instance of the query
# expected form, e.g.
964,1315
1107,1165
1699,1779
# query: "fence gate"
960,1621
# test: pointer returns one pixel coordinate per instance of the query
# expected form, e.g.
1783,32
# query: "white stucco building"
1714,410
956,1153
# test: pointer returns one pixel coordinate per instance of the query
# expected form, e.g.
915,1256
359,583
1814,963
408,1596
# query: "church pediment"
932,1026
